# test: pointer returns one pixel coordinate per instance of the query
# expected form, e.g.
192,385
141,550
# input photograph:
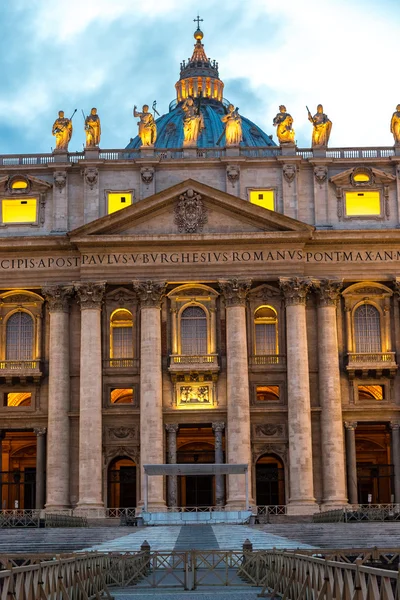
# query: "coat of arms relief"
190,212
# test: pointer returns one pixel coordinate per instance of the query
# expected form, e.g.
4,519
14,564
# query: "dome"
170,128
199,79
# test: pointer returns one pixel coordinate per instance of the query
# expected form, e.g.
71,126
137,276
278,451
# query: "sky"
114,54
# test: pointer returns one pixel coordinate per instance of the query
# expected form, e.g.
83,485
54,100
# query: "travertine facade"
196,326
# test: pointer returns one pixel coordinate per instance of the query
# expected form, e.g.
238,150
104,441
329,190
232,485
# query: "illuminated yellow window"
264,198
19,399
267,393
118,200
361,177
19,211
121,396
19,184
366,203
371,392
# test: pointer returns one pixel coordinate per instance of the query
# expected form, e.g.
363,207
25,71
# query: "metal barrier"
363,512
19,518
56,520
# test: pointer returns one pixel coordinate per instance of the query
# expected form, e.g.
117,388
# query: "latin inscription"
192,258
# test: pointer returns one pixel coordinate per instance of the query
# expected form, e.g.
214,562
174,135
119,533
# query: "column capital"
350,425
90,295
58,297
235,291
328,291
150,293
396,287
172,427
295,289
40,431
394,425
218,426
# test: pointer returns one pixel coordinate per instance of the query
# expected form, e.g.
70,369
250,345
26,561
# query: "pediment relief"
264,293
19,185
121,297
191,208
368,288
372,176
192,291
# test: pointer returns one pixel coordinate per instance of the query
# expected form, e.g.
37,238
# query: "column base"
57,507
334,504
238,504
302,507
156,507
91,511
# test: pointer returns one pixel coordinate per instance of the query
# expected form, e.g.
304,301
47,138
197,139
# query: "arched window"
121,333
19,337
266,331
193,331
367,329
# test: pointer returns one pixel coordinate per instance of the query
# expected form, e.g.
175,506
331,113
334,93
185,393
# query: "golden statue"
233,127
283,123
395,125
322,127
92,129
193,122
62,129
147,126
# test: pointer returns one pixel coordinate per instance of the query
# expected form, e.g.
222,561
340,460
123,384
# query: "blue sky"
113,54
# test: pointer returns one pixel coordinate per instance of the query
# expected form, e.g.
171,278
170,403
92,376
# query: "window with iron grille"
266,330
193,331
19,337
367,329
121,334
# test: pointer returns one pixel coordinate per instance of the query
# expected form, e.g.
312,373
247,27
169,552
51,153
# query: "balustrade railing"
19,365
121,363
371,357
186,359
268,359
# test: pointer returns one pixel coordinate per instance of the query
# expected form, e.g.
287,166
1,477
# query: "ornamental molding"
58,297
235,291
121,297
279,450
91,176
320,174
233,173
264,293
328,291
112,452
289,172
60,180
295,290
123,433
150,293
147,175
190,212
269,430
90,295
346,178
33,184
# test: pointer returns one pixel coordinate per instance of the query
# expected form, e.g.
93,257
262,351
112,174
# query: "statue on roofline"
147,126
395,125
62,130
92,129
284,126
322,127
193,122
233,126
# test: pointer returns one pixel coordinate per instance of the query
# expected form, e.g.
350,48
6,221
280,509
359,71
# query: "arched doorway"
270,481
121,479
374,468
196,490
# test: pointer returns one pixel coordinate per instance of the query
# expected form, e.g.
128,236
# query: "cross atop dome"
198,22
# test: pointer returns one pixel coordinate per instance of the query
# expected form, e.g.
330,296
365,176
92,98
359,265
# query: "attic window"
118,200
363,204
19,211
19,184
361,176
264,198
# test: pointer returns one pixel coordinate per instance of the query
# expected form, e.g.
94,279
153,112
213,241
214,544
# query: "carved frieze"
190,212
320,174
58,297
122,433
328,291
295,289
90,295
149,293
60,180
121,297
91,176
235,291
268,430
147,175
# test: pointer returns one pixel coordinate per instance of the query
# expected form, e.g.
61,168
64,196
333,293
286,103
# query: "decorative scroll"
235,291
147,175
60,180
320,174
289,172
91,175
150,293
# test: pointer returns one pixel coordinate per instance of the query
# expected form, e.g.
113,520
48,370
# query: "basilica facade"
204,295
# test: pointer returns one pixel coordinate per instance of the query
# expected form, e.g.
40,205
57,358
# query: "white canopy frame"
194,469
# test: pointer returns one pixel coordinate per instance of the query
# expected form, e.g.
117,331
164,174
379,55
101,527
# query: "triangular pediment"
376,176
190,208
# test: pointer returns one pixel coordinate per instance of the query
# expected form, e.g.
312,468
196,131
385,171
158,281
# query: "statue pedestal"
189,151
319,151
232,151
146,151
92,153
288,149
60,156
397,149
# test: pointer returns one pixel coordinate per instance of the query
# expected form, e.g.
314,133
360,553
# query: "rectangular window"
264,198
117,201
267,393
21,399
19,211
363,204
371,392
122,396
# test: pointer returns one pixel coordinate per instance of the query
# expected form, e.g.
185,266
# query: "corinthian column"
238,403
150,295
218,429
58,459
351,459
332,443
172,429
301,499
90,296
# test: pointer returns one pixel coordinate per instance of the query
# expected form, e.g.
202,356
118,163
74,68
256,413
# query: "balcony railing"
376,358
268,359
19,365
121,363
185,359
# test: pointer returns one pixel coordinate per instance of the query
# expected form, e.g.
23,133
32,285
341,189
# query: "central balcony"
374,364
121,365
193,362
261,362
21,370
